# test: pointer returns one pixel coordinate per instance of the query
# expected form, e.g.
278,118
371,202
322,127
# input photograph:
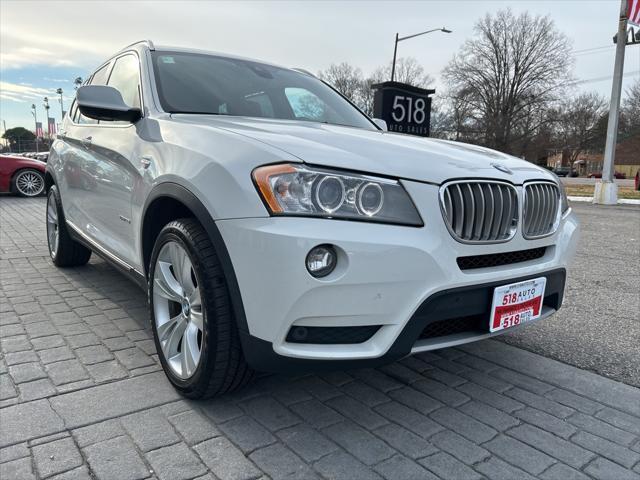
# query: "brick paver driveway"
82,396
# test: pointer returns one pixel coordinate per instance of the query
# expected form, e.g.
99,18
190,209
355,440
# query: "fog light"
321,260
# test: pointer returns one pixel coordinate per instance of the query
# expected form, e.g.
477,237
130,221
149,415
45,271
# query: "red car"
21,176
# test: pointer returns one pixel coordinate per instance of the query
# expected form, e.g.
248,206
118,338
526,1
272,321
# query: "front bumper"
387,276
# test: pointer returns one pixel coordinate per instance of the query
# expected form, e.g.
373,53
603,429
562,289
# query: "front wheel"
192,318
63,250
28,183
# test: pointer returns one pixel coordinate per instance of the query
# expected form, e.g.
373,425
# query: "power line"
600,79
585,50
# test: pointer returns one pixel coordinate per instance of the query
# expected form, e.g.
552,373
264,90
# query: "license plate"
516,303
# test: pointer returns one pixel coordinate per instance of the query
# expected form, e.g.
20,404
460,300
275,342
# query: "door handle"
145,162
86,141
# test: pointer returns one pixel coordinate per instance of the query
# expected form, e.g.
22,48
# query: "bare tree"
408,70
631,110
344,78
513,66
578,122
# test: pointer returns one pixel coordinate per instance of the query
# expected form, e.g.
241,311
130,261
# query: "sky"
45,45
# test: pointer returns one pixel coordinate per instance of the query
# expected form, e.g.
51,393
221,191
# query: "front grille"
442,328
498,259
331,335
540,211
480,212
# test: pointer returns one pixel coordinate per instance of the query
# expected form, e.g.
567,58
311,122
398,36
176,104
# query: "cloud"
22,93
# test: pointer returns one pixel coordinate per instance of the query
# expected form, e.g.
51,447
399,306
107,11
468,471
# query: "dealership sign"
405,108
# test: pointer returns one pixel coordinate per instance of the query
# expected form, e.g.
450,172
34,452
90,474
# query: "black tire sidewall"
53,193
200,379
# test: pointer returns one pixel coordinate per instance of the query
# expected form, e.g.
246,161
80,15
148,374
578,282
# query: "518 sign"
405,108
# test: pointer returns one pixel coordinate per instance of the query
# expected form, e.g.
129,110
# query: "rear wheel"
28,183
64,250
191,314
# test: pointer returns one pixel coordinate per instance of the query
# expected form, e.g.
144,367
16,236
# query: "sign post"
405,108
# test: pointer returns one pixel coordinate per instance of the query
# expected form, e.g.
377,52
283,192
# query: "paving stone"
540,403
441,392
607,449
546,421
41,329
560,471
193,427
620,419
19,450
377,379
307,442
487,381
115,459
357,412
601,429
226,461
449,378
246,433
83,340
556,447
48,438
280,462
459,447
98,432
519,454
17,358
28,420
476,363
176,462
149,429
11,330
318,388
220,410
409,419
113,399
415,399
80,473
359,442
340,465
7,387
36,389
316,414
56,457
490,397
406,442
57,354
365,393
118,343
491,416
270,413
133,358
572,400
17,469
74,329
401,373
43,343
402,468
463,424
496,469
106,371
447,467
26,372
66,371
603,469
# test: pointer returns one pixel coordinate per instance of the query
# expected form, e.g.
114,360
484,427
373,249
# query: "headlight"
564,201
302,190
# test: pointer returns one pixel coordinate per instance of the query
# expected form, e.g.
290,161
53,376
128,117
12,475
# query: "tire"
193,323
28,183
63,250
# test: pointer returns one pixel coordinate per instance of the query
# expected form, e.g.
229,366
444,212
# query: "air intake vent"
480,212
541,209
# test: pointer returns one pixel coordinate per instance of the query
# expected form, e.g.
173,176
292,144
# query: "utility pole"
400,39
606,191
59,92
35,117
46,109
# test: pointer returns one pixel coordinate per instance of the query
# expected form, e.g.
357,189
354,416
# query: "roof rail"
148,42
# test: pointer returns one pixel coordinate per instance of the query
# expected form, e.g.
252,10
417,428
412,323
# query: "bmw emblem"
502,168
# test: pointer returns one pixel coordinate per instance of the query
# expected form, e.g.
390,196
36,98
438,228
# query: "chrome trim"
99,249
490,226
427,344
541,214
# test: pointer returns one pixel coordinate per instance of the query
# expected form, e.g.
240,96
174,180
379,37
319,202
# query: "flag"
633,12
39,132
52,126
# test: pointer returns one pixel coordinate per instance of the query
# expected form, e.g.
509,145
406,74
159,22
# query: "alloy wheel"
29,183
53,233
178,312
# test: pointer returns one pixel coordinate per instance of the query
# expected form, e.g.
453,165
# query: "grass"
587,191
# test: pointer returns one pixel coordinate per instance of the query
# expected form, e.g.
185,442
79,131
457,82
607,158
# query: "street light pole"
35,118
606,191
401,39
46,110
59,92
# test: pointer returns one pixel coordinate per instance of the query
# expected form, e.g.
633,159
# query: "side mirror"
102,102
381,124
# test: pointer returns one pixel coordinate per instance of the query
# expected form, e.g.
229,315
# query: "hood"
396,155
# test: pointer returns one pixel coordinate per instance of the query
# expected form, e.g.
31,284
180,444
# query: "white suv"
276,227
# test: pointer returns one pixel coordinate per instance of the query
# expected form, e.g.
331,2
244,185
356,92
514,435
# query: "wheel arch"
169,201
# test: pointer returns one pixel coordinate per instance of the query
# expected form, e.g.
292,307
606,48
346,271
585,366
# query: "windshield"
209,84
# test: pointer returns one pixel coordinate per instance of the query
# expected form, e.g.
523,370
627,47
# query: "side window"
73,112
305,105
125,76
